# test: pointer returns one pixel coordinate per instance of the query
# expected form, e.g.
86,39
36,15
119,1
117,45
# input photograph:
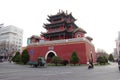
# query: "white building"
118,44
10,39
115,53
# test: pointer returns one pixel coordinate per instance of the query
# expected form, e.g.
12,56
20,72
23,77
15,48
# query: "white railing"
61,41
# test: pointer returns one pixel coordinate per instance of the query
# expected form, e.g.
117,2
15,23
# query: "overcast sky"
100,18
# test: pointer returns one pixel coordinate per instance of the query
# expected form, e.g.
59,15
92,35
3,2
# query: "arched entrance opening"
49,55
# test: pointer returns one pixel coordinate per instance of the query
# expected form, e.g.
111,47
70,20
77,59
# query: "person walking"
90,64
119,63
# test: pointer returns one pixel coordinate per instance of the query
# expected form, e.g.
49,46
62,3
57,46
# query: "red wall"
90,49
64,51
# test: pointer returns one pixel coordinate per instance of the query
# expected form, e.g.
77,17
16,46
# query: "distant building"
118,44
62,38
115,54
10,39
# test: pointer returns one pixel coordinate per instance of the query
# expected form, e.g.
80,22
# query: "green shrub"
111,58
17,57
106,60
102,60
64,62
74,58
25,56
56,60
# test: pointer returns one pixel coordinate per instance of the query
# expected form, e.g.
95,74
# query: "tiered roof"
61,23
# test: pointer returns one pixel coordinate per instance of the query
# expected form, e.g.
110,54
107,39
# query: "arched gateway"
49,55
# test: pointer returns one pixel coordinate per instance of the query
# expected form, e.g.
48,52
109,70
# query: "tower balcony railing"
57,30
43,42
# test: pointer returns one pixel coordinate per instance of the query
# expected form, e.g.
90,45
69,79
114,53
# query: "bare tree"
101,52
7,49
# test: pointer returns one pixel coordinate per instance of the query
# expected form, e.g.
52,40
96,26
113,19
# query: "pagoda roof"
58,14
79,29
89,38
55,32
74,25
62,13
35,36
56,23
59,23
71,16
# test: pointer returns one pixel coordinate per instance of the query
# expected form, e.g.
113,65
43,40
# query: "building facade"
10,39
118,45
62,38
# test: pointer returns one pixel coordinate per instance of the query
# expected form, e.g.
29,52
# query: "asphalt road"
10,71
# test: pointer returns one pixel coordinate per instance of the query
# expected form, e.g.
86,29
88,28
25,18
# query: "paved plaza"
10,71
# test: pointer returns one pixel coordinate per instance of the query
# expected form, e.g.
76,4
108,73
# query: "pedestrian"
90,64
119,63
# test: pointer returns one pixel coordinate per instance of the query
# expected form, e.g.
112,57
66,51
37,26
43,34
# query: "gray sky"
100,18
